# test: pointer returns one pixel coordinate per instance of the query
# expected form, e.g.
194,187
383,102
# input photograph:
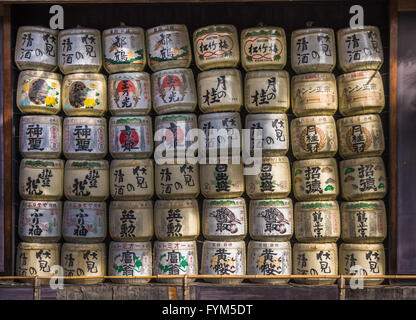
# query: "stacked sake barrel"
86,181
314,145
266,99
176,213
220,98
361,143
131,147
40,145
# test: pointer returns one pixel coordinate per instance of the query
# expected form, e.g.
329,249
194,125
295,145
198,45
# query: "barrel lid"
315,162
130,245
358,205
307,31
358,75
176,204
131,120
145,204
172,71
269,28
272,202
266,116
33,204
219,72
123,30
85,205
85,76
345,31
361,246
219,115
190,117
226,244
275,160
360,161
87,164
85,120
129,75
37,29
168,27
79,30
361,119
37,246
312,120
216,28
117,163
41,119
224,202
40,74
83,246
265,244
315,246
314,76
266,74
42,163
177,245
313,205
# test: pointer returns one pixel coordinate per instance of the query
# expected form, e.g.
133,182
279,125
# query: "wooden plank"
16,293
406,5
157,1
2,253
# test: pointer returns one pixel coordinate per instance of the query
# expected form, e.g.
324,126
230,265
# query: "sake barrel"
84,222
274,140
220,90
40,221
313,50
174,259
216,46
36,259
124,49
266,91
359,49
132,179
223,179
131,137
36,48
220,258
84,260
177,181
130,259
173,90
79,50
86,180
360,92
315,259
360,136
273,180
84,94
269,259
363,179
224,219
315,179
219,133
175,134
362,260
40,137
314,137
363,221
129,94
168,47
271,220
41,179
39,92
317,221
263,48
85,138
131,221
176,220
314,94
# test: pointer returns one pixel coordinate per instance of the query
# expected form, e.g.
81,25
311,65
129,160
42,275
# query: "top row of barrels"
129,49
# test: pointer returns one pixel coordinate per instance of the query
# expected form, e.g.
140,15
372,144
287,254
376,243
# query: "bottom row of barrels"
264,259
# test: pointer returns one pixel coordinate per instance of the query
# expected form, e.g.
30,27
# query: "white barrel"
315,259
40,137
86,180
85,138
315,179
359,49
130,259
223,259
132,179
363,221
269,259
79,50
361,260
39,92
124,49
173,90
41,179
168,47
131,221
84,222
37,259
216,46
224,219
313,50
36,48
220,90
314,137
84,94
317,221
175,259
271,220
273,180
177,181
363,179
263,48
81,259
40,221
131,137
129,93
274,140
360,136
222,132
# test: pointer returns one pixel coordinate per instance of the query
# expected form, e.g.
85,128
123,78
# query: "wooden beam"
154,1
406,5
